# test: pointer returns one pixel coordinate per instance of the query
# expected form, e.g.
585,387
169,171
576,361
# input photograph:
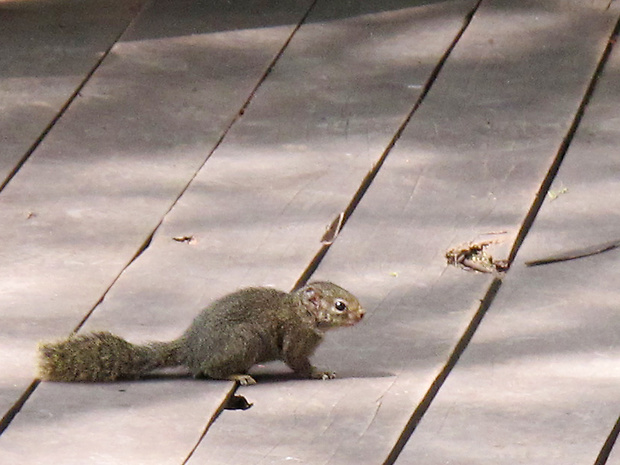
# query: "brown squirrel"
226,339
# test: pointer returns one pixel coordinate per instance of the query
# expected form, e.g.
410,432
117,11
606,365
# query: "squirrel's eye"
340,306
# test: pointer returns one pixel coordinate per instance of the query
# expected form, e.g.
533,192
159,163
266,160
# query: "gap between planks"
608,445
451,362
17,406
65,107
220,409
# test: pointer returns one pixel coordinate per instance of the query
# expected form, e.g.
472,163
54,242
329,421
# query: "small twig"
576,253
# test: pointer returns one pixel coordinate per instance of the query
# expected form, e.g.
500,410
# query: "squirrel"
249,326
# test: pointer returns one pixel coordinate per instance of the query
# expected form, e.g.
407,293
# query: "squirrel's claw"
323,374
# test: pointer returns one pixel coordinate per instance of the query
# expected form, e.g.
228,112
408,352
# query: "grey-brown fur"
226,339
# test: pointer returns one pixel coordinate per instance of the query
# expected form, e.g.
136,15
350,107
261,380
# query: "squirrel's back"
236,331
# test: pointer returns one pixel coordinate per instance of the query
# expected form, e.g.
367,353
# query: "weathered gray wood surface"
614,457
112,424
257,210
116,162
469,163
540,381
48,49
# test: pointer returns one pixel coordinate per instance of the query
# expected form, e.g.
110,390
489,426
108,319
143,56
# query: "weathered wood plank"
614,457
260,205
105,419
102,180
469,163
48,49
540,382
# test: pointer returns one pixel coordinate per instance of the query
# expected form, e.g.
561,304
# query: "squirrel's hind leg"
225,370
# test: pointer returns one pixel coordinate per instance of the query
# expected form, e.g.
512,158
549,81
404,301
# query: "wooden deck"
249,126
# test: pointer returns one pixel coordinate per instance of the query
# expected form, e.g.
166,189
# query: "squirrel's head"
331,305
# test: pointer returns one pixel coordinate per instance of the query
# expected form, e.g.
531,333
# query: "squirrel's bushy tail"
102,357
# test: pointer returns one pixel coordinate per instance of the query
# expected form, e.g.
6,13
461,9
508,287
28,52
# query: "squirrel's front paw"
318,374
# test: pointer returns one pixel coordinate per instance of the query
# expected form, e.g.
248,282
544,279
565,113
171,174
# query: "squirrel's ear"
312,295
